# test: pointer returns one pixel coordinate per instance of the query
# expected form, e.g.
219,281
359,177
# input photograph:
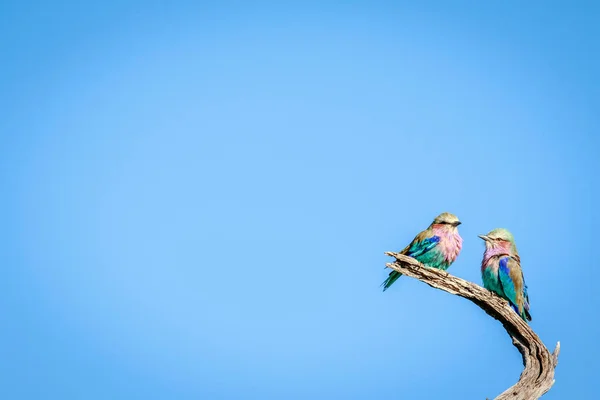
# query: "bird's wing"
421,244
511,278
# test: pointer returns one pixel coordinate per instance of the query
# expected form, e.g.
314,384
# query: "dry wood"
538,375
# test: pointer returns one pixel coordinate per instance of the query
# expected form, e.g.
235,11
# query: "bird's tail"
393,277
525,314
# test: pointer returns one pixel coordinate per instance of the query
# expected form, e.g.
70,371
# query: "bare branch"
538,375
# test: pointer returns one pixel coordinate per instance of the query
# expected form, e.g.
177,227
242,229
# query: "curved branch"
538,375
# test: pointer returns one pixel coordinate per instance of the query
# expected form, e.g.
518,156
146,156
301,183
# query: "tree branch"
538,375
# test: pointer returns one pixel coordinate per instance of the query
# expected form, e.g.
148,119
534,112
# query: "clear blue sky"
196,198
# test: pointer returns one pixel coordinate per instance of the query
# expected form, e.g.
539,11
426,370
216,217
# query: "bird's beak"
457,223
487,239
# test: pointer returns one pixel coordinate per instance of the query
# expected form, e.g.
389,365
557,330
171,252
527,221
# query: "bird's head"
447,220
500,239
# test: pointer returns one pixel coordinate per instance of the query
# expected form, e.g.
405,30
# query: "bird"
501,270
435,247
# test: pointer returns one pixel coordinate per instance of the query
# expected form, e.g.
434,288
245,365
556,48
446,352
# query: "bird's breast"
451,245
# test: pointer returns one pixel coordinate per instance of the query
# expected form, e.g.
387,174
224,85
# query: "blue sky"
197,197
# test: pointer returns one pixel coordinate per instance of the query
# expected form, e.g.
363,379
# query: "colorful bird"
435,247
501,270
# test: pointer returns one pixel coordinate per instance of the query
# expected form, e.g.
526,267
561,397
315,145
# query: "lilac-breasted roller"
435,247
501,270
